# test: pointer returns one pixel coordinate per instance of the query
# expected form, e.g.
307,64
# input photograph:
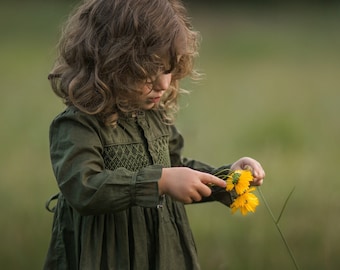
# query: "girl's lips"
155,99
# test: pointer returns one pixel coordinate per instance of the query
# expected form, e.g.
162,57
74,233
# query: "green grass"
271,91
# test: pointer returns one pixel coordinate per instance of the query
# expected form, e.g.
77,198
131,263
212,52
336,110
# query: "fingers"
207,178
254,166
195,195
258,182
258,174
258,171
200,188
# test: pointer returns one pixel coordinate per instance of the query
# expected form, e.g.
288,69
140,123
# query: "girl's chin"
148,106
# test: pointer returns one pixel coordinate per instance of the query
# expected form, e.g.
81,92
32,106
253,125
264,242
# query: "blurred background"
271,90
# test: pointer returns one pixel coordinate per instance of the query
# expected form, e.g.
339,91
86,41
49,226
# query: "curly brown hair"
109,47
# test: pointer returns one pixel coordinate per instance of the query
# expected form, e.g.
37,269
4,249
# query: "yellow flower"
240,180
246,202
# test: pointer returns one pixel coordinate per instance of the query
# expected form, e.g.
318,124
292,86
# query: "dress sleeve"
76,155
176,146
177,160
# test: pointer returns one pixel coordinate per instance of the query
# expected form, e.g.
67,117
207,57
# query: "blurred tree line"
210,3
261,3
258,2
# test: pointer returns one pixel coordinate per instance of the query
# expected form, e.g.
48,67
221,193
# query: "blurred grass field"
271,91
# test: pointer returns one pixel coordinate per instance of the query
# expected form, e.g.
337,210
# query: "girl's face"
153,90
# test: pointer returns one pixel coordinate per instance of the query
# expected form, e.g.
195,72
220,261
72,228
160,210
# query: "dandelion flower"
240,180
246,202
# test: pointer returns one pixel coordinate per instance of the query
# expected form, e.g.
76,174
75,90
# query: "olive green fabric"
109,214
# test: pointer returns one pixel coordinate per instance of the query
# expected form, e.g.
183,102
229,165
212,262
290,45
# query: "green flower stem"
276,222
284,205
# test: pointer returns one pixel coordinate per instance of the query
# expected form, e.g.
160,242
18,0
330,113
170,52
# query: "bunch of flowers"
238,185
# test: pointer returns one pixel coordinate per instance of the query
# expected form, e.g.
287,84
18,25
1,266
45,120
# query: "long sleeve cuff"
146,187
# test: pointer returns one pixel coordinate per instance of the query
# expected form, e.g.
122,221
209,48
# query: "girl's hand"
253,165
187,185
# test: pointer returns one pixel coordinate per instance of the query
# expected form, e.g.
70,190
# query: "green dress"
109,214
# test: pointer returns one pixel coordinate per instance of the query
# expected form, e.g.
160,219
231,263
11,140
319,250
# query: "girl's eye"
167,69
149,82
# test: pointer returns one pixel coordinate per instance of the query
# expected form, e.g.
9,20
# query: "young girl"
115,152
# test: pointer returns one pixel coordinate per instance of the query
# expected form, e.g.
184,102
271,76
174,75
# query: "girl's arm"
176,146
218,193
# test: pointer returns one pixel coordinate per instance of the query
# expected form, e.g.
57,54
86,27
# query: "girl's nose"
162,82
